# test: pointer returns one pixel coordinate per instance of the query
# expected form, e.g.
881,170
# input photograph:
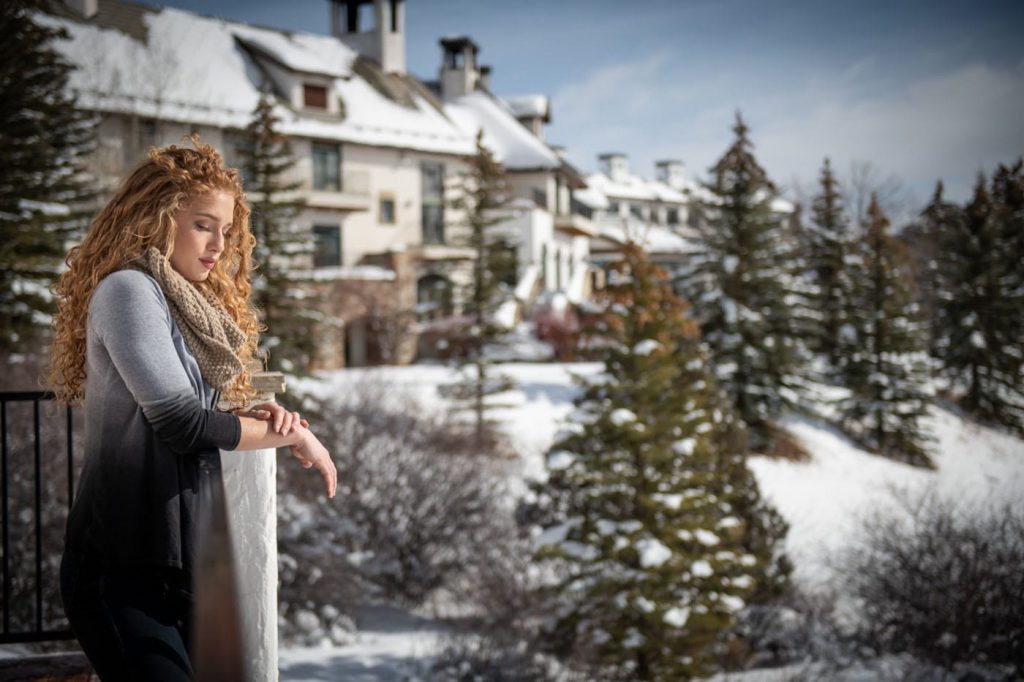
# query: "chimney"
459,72
484,81
614,164
383,42
86,9
670,172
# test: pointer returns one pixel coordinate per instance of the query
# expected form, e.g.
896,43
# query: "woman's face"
202,228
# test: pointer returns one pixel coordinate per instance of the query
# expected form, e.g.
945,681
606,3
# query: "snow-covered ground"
823,499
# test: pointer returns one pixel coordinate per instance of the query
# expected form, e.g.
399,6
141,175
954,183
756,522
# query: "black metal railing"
48,516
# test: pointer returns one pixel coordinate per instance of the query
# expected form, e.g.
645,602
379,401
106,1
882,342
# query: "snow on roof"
591,197
529,106
513,145
652,238
632,187
194,70
301,51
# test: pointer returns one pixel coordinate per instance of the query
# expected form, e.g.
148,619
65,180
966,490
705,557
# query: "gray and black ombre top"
149,419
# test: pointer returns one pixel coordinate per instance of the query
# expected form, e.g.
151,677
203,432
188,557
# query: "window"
673,216
433,296
328,246
387,209
503,262
613,208
326,167
314,96
433,203
540,198
394,16
637,211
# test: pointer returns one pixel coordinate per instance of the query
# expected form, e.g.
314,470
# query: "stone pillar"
250,485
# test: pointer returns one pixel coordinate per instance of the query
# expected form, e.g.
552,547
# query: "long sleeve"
129,315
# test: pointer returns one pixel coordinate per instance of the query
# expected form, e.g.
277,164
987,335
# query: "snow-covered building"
624,206
378,151
551,238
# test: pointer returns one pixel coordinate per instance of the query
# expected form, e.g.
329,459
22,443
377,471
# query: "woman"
154,327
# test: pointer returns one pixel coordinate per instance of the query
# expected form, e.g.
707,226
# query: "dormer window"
314,96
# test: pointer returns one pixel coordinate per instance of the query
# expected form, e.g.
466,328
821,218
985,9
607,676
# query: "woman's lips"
208,262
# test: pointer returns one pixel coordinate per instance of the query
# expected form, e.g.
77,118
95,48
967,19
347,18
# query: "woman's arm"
259,434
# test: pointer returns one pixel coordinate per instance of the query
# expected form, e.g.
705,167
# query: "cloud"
949,123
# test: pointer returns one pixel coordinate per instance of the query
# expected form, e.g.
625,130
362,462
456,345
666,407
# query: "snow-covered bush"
482,659
943,583
416,510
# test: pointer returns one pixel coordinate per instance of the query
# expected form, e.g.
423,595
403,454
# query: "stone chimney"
670,172
614,164
383,42
459,71
484,80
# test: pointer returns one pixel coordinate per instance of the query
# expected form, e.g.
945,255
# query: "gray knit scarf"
209,331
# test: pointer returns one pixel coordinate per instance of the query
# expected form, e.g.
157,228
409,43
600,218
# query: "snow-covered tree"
1008,198
44,138
933,241
481,195
828,242
283,245
884,361
654,533
983,354
750,293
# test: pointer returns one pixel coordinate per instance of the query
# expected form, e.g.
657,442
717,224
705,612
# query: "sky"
920,90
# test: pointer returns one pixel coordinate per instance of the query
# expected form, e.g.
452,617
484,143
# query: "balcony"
353,196
576,225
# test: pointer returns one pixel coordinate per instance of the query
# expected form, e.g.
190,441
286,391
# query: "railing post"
251,491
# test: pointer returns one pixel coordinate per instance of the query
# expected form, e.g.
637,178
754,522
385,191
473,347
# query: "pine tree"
1008,322
885,360
44,140
655,534
748,286
933,241
282,283
480,198
985,344
828,244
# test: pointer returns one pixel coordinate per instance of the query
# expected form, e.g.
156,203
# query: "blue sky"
920,89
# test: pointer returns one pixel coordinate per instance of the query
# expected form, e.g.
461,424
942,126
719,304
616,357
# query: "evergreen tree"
282,285
748,286
828,245
933,241
885,361
984,348
480,198
655,534
1008,197
44,139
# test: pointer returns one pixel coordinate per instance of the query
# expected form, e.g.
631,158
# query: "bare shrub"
943,583
417,510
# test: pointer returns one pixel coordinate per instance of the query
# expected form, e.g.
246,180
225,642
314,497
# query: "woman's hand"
311,453
284,421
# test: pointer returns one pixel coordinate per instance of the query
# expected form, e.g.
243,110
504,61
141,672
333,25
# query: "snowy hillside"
822,499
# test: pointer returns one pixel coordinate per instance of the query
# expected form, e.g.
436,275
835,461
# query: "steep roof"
512,143
185,67
530,106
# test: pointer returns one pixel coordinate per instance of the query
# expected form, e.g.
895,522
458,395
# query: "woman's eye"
202,227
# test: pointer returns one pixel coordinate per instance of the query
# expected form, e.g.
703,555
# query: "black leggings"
132,625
